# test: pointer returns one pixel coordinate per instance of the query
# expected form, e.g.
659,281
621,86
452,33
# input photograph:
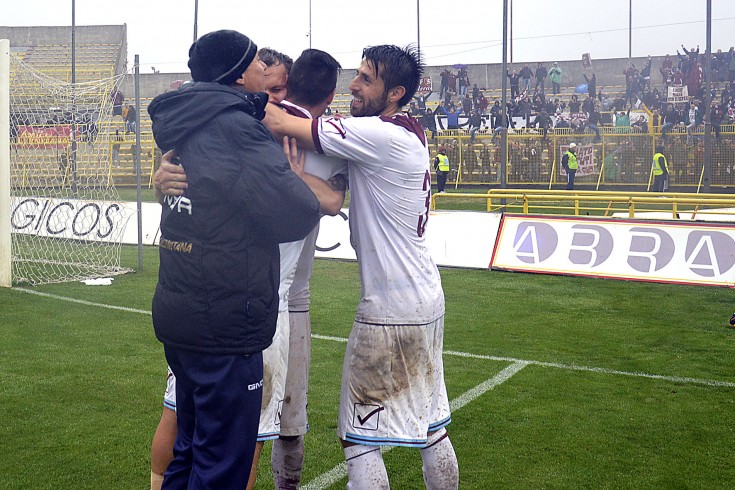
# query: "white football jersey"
390,186
302,252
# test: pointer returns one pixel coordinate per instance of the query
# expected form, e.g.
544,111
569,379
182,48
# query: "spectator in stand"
474,123
421,100
693,120
646,74
640,124
482,103
543,122
464,81
452,83
631,74
555,76
588,104
593,121
117,98
495,114
591,85
622,121
525,75
514,83
731,64
524,105
452,116
541,74
574,104
467,103
130,118
412,109
606,103
475,96
444,86
428,121
670,117
716,115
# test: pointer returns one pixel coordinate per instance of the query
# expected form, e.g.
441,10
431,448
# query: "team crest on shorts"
366,416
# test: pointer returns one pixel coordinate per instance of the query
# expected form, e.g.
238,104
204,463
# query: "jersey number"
421,228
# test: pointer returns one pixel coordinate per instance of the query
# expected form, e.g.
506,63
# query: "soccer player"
393,390
311,88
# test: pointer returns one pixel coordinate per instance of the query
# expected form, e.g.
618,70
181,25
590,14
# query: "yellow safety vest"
657,170
443,162
572,163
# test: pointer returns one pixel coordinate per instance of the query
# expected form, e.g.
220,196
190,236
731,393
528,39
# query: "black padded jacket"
217,290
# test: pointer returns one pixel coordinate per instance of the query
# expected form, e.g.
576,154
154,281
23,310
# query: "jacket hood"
177,114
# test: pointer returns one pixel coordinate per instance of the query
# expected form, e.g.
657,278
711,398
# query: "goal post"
5,240
61,218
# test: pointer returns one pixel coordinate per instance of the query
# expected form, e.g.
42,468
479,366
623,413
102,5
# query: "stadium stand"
621,156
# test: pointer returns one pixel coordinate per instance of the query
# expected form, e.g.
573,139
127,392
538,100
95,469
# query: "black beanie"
221,56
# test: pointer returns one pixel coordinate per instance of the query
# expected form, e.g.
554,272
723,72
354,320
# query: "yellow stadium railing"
599,203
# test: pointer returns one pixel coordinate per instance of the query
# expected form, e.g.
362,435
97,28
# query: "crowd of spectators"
463,104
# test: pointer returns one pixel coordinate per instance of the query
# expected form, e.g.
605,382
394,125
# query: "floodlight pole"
504,111
630,29
196,15
418,28
707,103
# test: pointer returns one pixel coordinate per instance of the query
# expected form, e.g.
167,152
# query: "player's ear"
396,93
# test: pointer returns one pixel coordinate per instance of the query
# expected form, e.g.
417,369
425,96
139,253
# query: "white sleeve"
362,140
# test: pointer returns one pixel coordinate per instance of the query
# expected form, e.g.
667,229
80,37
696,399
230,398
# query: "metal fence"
622,157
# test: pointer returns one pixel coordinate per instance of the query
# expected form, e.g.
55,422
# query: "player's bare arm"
170,178
282,124
331,194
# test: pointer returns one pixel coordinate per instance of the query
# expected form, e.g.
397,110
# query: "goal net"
66,220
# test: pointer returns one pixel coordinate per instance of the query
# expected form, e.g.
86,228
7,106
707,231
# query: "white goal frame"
5,238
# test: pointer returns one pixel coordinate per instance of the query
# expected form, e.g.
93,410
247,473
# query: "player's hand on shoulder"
295,157
170,178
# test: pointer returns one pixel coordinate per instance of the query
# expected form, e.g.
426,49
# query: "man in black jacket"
216,301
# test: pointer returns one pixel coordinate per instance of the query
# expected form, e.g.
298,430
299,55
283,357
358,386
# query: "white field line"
82,302
326,480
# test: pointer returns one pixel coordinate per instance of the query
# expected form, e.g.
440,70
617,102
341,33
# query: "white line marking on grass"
326,480
574,367
82,302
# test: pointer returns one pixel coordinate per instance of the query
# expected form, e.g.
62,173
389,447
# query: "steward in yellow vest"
660,170
569,162
441,165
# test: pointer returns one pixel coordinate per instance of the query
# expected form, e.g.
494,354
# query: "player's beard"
369,107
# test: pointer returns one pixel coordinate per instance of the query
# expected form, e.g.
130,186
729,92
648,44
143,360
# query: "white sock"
365,468
287,460
440,468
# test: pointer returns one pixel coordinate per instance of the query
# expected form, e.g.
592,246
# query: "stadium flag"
586,60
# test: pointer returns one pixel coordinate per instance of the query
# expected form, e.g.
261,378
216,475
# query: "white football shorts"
294,420
169,396
393,391
275,361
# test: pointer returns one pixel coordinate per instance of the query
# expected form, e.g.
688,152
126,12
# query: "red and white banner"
585,159
655,251
46,137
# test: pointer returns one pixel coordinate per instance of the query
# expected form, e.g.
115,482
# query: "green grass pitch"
556,382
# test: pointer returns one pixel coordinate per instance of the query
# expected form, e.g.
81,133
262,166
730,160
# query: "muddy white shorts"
275,360
393,391
294,420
